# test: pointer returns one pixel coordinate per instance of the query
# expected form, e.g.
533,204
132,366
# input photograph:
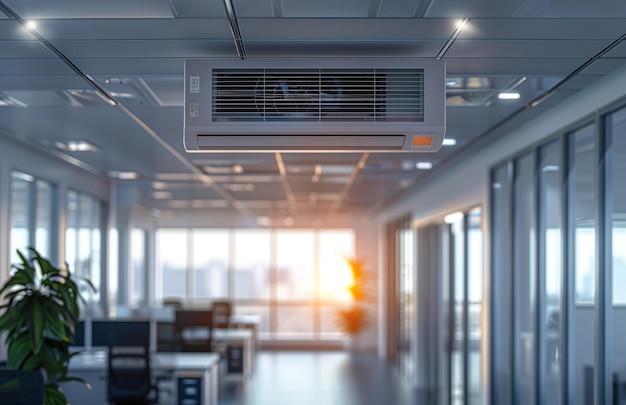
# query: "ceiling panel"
325,8
525,48
198,9
24,50
134,29
583,9
322,49
515,65
45,9
333,29
158,48
544,29
131,65
477,8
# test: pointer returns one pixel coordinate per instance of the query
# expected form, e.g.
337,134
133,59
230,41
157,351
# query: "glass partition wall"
441,320
558,269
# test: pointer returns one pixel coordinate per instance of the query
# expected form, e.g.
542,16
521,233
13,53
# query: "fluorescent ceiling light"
509,95
424,165
449,142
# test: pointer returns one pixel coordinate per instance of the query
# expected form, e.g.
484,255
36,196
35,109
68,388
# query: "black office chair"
129,374
193,331
21,387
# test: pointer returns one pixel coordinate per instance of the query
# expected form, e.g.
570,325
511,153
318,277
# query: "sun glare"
335,278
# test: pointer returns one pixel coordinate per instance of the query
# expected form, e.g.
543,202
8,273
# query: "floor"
319,378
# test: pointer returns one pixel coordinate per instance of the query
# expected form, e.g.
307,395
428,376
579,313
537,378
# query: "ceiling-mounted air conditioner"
306,105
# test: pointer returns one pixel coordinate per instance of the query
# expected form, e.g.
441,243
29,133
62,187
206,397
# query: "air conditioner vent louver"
306,105
318,95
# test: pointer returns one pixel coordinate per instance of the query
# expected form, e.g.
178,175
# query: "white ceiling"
135,50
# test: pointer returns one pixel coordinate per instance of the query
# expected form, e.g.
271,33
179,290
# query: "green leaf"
18,351
36,324
54,396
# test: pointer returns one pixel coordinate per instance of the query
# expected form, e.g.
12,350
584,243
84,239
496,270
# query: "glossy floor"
320,378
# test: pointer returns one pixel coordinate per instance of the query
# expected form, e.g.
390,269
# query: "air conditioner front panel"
297,100
302,143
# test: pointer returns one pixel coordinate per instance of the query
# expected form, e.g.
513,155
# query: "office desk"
247,321
194,375
240,347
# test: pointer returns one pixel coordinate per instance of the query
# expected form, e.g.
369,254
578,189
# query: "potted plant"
354,319
40,314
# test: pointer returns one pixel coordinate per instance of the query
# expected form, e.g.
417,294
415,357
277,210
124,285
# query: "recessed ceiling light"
81,146
162,195
263,221
508,95
407,165
404,183
30,25
124,175
449,142
240,187
424,165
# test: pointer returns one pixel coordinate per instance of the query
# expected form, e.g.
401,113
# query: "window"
32,214
83,243
295,279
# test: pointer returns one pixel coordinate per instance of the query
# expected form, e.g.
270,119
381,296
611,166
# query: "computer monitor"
101,330
79,335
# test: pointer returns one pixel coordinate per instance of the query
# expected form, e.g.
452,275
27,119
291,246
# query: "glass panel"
616,139
328,327
31,215
550,217
295,263
475,306
211,252
252,264
407,300
138,274
294,322
43,218
334,273
525,278
443,248
457,377
171,264
582,200
21,219
71,230
501,289
83,244
95,275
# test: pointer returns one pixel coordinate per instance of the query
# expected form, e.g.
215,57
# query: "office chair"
129,374
222,310
193,331
21,387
